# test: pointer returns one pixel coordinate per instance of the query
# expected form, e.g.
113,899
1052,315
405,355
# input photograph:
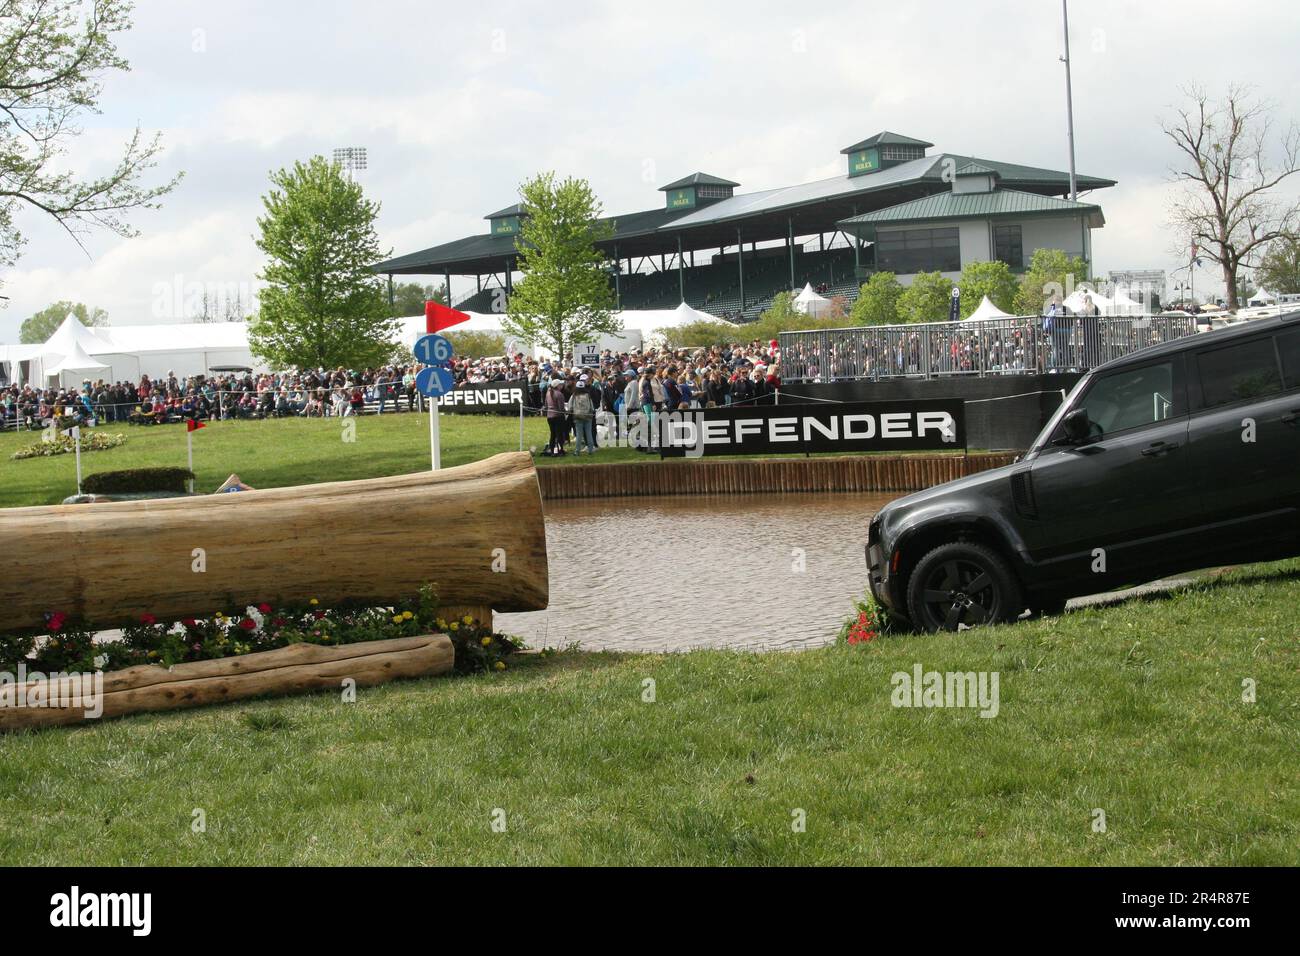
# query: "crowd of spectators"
670,379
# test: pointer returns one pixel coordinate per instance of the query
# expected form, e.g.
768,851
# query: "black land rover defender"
1182,455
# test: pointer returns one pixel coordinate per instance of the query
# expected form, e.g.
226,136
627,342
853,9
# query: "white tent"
1261,297
75,361
15,362
810,303
986,310
1075,302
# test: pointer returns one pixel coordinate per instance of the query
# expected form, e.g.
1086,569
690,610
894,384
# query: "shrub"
136,480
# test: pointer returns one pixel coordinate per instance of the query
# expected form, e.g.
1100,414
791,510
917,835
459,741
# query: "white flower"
100,661
255,614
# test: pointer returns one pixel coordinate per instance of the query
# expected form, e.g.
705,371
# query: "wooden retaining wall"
882,473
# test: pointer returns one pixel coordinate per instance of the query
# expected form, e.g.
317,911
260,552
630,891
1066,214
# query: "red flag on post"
438,317
193,424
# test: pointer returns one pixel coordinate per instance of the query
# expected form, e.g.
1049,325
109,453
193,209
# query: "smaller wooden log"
287,670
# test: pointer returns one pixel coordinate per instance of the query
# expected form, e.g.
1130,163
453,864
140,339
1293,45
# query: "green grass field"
1135,710
288,451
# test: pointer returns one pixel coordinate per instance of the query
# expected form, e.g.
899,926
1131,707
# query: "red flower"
279,622
248,624
319,614
54,620
189,622
148,619
264,608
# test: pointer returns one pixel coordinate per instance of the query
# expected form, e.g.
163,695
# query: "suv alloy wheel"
962,584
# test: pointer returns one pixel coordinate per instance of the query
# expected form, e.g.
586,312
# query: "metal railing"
1006,346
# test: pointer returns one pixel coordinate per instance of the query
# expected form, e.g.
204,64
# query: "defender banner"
917,425
486,398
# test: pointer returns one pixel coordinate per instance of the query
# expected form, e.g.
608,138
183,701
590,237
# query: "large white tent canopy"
76,361
1261,297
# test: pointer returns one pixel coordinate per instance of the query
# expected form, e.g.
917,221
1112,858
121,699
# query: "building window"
906,251
713,192
1007,246
901,153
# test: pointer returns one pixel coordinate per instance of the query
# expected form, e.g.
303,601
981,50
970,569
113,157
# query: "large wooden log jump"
476,532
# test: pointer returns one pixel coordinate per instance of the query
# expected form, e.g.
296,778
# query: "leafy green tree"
321,305
927,299
705,333
1050,272
44,323
54,57
877,303
565,296
1279,267
992,279
409,297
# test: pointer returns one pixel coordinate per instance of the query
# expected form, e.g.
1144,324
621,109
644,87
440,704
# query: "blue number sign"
432,350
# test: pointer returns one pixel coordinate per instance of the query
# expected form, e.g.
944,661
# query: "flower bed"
66,445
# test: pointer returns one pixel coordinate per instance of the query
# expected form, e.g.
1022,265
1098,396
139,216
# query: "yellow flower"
397,619
486,641
467,620
218,615
500,665
442,625
455,626
407,615
313,602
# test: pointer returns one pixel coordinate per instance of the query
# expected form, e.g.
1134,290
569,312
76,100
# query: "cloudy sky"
457,103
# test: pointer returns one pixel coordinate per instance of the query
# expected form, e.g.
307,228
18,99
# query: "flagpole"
76,435
189,450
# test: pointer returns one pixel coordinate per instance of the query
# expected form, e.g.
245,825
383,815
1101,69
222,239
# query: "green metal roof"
973,168
886,139
698,179
998,203
516,210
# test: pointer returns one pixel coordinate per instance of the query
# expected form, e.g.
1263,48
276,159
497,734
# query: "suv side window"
1288,343
1247,370
1134,398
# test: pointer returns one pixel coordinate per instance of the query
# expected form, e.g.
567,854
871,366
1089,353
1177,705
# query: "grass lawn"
286,451
1135,710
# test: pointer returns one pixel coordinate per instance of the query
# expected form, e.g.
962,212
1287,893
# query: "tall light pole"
351,158
1069,98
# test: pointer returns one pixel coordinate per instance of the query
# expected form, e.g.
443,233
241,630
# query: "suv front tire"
962,584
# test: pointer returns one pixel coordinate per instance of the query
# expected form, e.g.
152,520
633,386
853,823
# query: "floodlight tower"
351,158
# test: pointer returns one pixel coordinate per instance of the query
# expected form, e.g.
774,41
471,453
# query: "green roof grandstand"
703,216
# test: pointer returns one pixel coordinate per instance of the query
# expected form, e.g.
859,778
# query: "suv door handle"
1292,417
1157,448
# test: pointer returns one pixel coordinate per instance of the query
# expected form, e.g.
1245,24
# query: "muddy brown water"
676,573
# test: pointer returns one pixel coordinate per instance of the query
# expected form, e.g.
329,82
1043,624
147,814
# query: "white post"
189,453
76,436
434,436
521,424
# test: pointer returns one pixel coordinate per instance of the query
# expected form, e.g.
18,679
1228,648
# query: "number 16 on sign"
434,381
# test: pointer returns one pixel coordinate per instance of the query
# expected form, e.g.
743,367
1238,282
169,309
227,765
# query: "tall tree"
409,297
1279,267
54,55
1051,271
1230,170
927,299
565,296
877,303
43,324
992,279
321,305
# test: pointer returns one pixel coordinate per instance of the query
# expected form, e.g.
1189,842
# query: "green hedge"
132,480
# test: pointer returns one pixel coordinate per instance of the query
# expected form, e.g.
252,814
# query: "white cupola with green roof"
697,189
882,151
